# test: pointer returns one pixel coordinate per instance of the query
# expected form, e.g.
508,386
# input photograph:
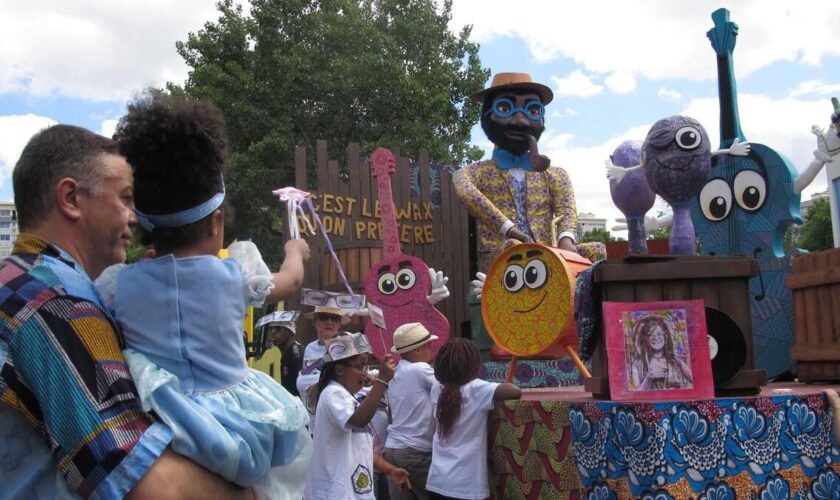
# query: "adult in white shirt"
409,443
327,322
461,403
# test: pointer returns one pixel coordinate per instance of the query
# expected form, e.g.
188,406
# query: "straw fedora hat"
411,336
515,80
337,311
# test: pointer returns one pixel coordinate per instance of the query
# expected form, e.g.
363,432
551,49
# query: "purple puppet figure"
632,195
676,157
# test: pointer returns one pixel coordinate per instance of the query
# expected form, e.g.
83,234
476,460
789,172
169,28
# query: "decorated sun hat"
337,311
515,80
285,319
411,336
346,346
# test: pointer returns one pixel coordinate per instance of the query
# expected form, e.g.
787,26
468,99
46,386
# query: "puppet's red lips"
536,306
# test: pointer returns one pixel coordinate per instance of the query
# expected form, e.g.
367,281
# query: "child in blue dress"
181,312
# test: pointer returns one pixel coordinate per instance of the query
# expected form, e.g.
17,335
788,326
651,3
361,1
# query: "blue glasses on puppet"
504,107
312,297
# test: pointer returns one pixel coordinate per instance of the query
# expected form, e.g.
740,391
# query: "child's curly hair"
178,149
457,363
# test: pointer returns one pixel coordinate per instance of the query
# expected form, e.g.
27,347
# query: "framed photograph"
658,350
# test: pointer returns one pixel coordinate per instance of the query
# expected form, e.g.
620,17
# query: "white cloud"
16,130
94,49
657,39
621,82
108,127
669,95
815,87
576,84
565,112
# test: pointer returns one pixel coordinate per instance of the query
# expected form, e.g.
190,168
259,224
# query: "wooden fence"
433,228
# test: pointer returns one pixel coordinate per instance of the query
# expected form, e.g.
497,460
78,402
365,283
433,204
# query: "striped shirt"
63,374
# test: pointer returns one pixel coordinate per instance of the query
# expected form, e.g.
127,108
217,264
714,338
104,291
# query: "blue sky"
615,68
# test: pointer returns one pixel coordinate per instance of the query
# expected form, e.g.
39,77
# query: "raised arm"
289,279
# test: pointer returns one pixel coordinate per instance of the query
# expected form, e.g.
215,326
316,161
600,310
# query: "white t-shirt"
459,464
306,378
409,396
342,459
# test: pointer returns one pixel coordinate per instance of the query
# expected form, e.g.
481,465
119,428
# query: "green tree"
816,233
377,72
601,235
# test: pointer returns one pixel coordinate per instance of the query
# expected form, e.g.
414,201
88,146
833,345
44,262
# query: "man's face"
507,132
107,216
279,335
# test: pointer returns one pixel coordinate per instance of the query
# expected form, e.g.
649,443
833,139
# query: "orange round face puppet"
527,301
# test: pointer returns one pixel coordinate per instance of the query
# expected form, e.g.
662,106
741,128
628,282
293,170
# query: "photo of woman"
659,358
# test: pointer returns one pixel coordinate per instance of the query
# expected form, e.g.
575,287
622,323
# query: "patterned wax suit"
488,193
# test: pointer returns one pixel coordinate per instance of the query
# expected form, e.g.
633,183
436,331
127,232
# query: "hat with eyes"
346,346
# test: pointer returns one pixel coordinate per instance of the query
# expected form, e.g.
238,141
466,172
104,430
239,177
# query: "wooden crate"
815,282
722,283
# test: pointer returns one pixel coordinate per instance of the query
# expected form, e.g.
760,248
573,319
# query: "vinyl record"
727,347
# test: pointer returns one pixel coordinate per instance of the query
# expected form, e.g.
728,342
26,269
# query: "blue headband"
184,217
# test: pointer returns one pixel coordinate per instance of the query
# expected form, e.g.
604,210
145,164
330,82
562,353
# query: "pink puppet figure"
403,286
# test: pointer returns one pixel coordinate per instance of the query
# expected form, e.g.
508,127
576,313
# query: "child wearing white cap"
409,443
343,460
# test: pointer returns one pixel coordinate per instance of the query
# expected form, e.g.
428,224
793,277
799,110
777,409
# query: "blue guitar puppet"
747,205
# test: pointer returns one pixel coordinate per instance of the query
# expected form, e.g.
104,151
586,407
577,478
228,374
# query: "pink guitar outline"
399,284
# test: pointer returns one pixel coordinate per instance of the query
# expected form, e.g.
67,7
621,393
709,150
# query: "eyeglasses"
312,297
504,107
327,317
362,368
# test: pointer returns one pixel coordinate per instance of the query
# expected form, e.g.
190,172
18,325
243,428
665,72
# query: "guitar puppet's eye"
750,190
387,284
716,200
405,279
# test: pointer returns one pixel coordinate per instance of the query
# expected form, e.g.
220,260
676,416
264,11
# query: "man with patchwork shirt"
71,424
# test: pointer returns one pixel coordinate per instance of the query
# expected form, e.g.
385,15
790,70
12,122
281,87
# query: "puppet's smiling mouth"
531,309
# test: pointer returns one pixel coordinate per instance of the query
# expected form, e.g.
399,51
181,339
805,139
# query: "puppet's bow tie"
506,159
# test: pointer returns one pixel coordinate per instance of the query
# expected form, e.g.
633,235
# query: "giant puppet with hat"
527,219
517,195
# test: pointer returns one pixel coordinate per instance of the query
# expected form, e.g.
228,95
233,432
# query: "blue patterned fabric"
760,447
520,189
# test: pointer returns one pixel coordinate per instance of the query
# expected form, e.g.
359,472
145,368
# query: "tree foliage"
816,233
290,72
601,235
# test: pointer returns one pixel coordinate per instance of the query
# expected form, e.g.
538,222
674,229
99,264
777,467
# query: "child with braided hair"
461,403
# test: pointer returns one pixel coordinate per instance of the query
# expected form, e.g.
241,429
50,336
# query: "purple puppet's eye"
688,138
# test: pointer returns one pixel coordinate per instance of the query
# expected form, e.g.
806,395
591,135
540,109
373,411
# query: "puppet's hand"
828,144
517,234
477,285
614,173
439,290
739,148
652,223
